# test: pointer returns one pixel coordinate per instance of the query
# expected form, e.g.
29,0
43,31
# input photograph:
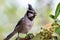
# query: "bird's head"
31,12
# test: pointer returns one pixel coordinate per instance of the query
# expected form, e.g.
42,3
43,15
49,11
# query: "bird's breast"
27,24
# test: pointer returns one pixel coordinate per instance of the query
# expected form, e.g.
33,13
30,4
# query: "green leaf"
52,16
57,11
57,30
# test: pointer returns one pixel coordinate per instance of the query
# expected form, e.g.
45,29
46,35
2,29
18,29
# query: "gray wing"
18,24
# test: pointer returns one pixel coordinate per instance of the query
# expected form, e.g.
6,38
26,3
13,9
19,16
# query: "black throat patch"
30,18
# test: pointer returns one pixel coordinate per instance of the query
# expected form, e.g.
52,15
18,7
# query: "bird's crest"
30,7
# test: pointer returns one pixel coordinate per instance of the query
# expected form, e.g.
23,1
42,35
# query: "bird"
25,23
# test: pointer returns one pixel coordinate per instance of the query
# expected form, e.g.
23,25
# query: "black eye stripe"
30,12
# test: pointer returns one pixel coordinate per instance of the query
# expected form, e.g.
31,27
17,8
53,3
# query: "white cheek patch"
30,15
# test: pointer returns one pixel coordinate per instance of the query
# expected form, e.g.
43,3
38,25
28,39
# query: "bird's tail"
10,35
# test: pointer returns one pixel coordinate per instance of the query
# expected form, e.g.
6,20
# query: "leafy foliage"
57,11
44,35
57,30
52,16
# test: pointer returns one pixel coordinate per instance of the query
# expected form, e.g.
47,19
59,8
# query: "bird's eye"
30,12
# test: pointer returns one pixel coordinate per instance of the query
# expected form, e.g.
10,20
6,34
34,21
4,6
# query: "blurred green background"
12,10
